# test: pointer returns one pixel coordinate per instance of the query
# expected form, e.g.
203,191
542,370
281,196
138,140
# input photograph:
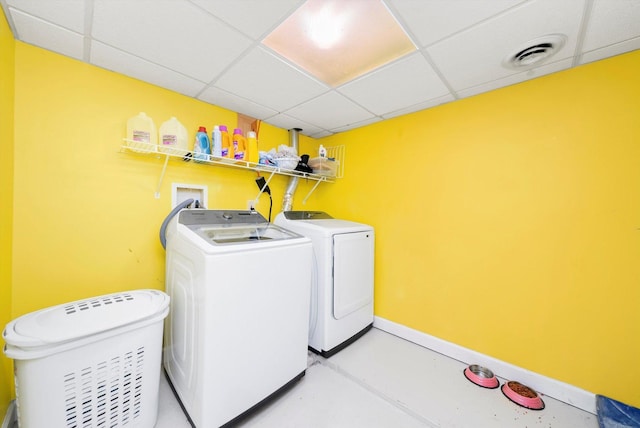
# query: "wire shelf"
152,150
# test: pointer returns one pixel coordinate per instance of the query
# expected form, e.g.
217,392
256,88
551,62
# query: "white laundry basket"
90,363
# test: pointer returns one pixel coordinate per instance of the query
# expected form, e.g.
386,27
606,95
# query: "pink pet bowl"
522,395
481,376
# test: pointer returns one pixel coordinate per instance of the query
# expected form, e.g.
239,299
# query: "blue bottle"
201,147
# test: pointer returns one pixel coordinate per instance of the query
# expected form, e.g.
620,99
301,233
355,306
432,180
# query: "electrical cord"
262,185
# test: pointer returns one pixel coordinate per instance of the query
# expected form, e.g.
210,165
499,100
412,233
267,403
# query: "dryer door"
352,272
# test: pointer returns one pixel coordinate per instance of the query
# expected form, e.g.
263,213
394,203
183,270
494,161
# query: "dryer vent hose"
165,223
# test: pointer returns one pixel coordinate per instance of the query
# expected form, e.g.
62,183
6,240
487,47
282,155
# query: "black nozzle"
262,183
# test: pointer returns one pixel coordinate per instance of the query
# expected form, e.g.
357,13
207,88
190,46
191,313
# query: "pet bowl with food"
522,395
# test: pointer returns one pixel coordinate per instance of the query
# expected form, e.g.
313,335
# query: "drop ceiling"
211,50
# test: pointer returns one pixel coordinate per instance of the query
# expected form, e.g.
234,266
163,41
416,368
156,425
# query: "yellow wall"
85,213
509,222
506,222
7,46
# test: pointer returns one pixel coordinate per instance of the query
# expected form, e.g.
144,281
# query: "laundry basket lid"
75,320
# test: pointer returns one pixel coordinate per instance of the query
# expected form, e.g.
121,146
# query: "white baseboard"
564,392
11,416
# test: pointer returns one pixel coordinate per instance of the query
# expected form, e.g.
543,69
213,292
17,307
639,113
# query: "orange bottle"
239,144
227,145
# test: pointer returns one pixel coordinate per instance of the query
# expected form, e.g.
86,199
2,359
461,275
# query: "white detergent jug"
141,133
173,138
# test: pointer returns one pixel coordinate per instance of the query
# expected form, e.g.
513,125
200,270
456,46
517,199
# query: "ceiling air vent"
534,52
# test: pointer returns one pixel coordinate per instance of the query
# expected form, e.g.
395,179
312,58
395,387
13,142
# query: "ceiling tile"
113,59
48,36
233,102
169,33
517,78
267,80
433,20
399,85
65,13
356,124
212,50
612,21
475,56
330,110
254,18
609,51
287,122
421,106
321,134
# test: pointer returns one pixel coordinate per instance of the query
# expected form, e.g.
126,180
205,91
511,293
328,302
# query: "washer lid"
217,235
75,320
306,215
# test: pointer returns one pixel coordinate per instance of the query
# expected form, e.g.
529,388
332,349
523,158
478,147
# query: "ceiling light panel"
331,40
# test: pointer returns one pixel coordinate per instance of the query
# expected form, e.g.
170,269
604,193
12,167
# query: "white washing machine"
342,283
238,325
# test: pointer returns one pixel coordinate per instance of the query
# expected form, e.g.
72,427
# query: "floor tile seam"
360,382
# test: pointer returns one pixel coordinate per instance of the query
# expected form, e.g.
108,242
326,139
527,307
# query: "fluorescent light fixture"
339,40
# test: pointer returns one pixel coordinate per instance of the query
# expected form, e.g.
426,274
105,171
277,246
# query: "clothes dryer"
238,325
342,282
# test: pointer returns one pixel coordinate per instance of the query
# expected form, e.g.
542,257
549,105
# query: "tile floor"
387,382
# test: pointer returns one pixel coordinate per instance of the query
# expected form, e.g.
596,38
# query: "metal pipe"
287,201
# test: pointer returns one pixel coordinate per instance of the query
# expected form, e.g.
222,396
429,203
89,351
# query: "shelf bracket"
255,201
164,169
304,201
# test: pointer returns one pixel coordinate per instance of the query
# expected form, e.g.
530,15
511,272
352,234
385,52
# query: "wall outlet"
251,205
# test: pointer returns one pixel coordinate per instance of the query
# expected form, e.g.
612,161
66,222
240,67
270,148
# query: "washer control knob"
226,216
